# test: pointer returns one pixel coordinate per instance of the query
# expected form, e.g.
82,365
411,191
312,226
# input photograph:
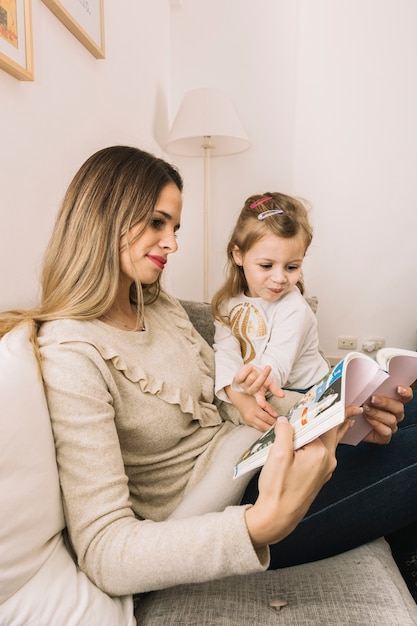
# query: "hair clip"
256,203
265,214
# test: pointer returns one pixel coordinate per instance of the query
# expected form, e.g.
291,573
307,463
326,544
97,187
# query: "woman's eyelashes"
159,223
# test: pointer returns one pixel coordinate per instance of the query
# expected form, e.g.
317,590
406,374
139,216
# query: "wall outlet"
347,343
372,344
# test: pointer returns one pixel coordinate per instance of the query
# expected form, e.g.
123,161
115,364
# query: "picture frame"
16,46
84,19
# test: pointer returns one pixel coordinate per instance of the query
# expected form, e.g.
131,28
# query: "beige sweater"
135,429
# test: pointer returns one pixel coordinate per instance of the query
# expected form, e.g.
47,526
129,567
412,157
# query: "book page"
320,406
364,375
402,368
402,371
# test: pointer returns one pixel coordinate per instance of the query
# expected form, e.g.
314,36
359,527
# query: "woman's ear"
237,256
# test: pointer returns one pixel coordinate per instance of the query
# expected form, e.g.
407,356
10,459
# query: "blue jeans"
372,493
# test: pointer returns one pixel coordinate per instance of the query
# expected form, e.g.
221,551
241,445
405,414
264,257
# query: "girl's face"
144,258
272,266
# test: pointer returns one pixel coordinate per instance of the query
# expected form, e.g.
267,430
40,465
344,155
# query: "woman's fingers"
405,393
390,406
280,456
384,424
384,415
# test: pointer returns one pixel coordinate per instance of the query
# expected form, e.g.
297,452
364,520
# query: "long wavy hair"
116,188
291,221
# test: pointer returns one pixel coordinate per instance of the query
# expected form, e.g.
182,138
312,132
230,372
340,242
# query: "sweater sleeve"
120,553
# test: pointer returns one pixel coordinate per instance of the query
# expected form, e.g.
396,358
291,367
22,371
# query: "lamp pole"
207,147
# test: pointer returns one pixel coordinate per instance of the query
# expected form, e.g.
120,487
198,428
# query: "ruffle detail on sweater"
167,313
205,412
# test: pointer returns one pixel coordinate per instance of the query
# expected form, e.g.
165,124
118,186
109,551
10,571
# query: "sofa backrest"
201,318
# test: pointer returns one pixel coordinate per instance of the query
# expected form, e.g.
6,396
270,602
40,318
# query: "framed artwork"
16,38
84,19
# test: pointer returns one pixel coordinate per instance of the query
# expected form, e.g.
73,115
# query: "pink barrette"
253,205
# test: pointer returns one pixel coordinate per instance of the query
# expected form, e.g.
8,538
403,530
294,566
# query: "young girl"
262,318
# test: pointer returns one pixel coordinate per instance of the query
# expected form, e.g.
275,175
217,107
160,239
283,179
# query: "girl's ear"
237,256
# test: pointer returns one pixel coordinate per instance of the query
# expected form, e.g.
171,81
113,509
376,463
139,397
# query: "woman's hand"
290,481
384,415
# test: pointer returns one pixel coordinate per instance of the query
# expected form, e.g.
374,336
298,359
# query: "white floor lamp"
206,125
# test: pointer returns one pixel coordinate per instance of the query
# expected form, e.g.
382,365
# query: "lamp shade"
207,115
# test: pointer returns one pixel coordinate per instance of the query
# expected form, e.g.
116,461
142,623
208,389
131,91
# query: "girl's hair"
116,188
262,214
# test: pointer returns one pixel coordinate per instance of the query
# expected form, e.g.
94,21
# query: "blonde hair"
289,220
116,188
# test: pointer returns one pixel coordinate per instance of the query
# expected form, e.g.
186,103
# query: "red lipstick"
159,261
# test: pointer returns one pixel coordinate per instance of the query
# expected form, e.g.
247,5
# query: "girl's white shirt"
282,334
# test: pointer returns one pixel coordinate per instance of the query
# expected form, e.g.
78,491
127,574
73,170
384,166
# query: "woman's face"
144,258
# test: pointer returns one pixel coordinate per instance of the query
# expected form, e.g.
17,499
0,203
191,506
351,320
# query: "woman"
129,384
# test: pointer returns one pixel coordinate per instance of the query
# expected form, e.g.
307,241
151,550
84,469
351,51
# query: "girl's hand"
384,415
258,383
251,413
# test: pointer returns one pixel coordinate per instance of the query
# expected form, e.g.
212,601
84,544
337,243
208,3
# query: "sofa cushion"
31,511
357,587
39,583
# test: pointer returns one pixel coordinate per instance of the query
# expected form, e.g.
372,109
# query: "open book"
350,383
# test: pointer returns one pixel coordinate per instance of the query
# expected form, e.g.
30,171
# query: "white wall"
249,50
327,91
355,158
75,106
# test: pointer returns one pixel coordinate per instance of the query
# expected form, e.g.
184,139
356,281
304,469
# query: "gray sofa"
362,586
40,585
